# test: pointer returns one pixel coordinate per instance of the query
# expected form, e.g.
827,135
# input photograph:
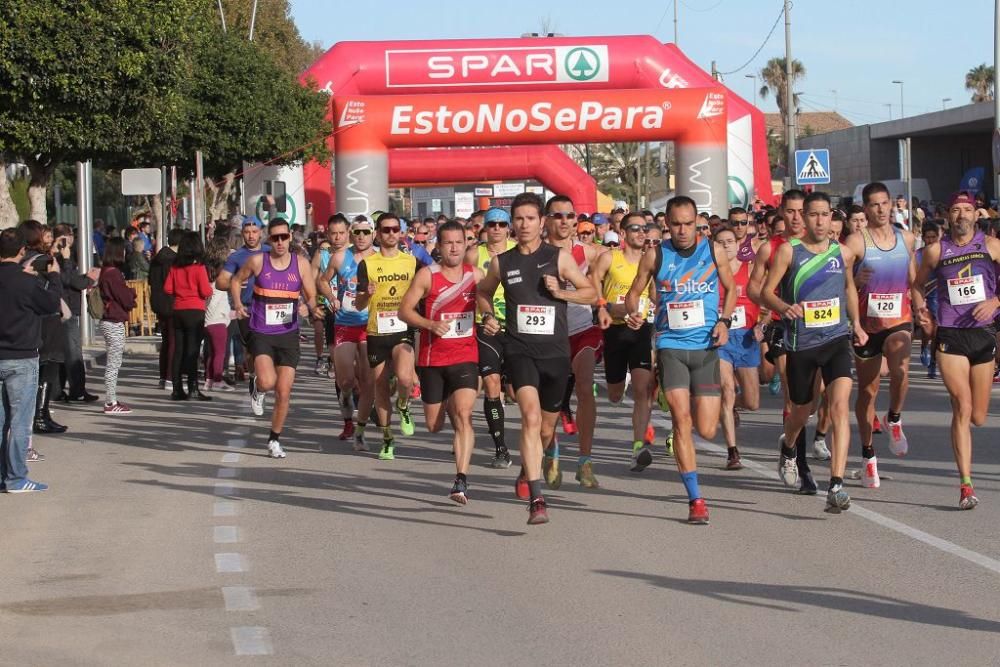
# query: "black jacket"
25,301
73,283
161,302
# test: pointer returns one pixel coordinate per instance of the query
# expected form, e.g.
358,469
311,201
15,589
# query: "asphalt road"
169,538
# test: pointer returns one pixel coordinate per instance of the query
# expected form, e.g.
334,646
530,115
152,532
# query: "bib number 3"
389,322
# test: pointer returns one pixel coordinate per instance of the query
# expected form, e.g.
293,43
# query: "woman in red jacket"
118,300
188,283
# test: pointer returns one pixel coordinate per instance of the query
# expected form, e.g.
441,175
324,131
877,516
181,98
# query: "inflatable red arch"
531,92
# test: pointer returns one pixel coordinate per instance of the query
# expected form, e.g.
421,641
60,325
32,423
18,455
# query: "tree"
615,167
274,32
773,75
979,80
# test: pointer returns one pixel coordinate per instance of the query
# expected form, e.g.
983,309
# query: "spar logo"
499,66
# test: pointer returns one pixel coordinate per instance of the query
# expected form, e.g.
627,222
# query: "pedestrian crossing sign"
812,166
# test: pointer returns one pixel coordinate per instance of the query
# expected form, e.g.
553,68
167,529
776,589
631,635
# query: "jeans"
19,388
73,371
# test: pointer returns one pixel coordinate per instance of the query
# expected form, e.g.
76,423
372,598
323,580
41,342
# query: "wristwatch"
728,321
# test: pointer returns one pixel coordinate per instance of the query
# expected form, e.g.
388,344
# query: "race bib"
389,322
962,291
538,320
461,324
885,306
276,314
347,302
820,314
643,306
739,318
686,315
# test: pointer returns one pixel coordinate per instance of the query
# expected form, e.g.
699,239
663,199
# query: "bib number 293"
537,320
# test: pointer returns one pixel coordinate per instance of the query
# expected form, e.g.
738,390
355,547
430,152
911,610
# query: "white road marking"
224,489
225,508
896,526
240,598
236,443
226,534
229,562
226,473
231,457
251,640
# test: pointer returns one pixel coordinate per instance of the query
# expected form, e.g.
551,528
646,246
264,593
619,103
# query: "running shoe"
787,469
642,457
932,371
256,399
807,485
388,452
967,498
996,375
670,443
116,408
925,357
27,486
320,366
551,471
537,512
698,512
458,490
897,439
837,500
405,421
733,461
274,449
415,392
568,423
650,433
869,474
501,459
820,450
774,386
359,442
661,400
585,475
222,386
521,488
34,456
876,425
595,389
348,431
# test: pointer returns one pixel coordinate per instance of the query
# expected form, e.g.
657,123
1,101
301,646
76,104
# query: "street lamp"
902,112
944,100
889,107
754,77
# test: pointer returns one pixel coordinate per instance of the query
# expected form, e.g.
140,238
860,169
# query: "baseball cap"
252,220
962,198
497,214
361,223
611,237
599,219
585,226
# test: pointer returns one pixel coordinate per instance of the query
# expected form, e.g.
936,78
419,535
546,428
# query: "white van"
921,190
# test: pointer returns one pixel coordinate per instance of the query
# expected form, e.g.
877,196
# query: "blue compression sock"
690,480
582,460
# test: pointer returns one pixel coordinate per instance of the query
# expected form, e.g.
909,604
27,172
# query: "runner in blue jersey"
350,345
334,239
689,328
819,304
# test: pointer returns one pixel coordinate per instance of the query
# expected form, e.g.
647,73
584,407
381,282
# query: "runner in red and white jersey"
448,357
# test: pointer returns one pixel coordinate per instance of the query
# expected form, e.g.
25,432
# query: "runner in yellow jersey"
383,278
491,347
628,340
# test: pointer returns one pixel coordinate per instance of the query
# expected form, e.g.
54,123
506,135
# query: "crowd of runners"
685,311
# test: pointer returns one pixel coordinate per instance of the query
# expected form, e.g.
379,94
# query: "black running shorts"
548,376
380,347
832,359
977,345
627,349
774,336
490,353
876,341
284,349
437,383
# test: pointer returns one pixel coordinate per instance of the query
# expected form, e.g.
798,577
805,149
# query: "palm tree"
773,76
979,80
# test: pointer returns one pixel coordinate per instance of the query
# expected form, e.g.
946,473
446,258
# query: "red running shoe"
348,431
568,423
876,425
698,512
967,499
415,392
521,488
650,434
537,512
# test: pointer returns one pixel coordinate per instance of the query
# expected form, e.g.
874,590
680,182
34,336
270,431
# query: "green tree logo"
582,64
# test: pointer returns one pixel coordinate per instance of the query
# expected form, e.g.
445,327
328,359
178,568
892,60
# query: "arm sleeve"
46,296
204,288
122,293
363,276
422,256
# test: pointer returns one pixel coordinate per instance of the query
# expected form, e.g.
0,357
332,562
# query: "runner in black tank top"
536,345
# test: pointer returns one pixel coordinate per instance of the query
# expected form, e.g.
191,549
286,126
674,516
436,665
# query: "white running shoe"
274,449
820,450
869,473
359,442
256,399
897,439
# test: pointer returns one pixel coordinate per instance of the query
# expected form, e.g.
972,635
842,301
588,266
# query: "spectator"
118,299
163,304
217,317
146,235
187,282
97,240
51,354
138,261
74,284
25,299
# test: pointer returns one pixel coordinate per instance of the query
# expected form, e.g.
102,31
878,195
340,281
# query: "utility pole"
996,91
675,22
789,101
944,102
253,18
223,15
889,107
754,77
902,111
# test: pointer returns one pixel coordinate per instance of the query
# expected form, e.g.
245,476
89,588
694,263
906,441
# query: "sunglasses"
497,223
611,244
470,238
420,242
389,230
563,216
585,233
702,228
635,228
280,237
362,232
650,242
739,223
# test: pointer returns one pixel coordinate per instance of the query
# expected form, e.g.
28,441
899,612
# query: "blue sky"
853,47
